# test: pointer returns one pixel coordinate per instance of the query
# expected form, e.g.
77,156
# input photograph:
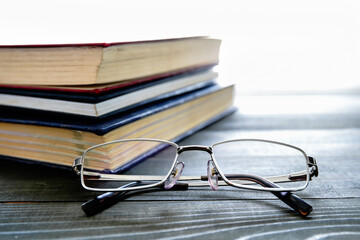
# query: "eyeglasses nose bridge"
194,148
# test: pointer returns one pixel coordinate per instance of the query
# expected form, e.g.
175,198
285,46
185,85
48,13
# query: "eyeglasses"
254,164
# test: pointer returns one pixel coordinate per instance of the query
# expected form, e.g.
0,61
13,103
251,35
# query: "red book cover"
94,44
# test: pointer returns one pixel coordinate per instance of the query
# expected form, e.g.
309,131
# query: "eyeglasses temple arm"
292,200
288,198
102,202
108,199
295,202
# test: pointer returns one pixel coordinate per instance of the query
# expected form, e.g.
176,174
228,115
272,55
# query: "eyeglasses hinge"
314,170
77,165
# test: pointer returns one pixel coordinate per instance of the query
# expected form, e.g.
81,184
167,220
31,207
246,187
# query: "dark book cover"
98,126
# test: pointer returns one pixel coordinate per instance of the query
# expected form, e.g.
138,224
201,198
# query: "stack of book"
58,100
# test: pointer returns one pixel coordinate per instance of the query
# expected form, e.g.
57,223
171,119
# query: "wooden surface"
38,202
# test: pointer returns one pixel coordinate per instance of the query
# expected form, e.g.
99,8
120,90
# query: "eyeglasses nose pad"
174,176
212,175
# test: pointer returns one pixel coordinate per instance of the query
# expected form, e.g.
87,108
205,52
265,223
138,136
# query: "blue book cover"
99,126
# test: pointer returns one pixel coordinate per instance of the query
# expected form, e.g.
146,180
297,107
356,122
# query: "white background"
286,46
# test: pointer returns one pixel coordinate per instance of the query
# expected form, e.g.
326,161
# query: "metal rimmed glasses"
254,164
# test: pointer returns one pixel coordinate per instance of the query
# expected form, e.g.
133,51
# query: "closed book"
100,104
51,139
98,63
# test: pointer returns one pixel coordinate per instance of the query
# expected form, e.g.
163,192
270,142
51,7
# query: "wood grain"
38,202
179,220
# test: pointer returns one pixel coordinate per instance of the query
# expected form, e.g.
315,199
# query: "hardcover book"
59,138
84,64
100,104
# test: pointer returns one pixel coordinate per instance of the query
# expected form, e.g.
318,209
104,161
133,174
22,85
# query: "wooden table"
43,203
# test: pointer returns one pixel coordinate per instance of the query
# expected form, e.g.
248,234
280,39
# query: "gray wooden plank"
178,220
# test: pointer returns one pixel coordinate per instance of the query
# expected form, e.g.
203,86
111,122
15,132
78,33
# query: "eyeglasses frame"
78,165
